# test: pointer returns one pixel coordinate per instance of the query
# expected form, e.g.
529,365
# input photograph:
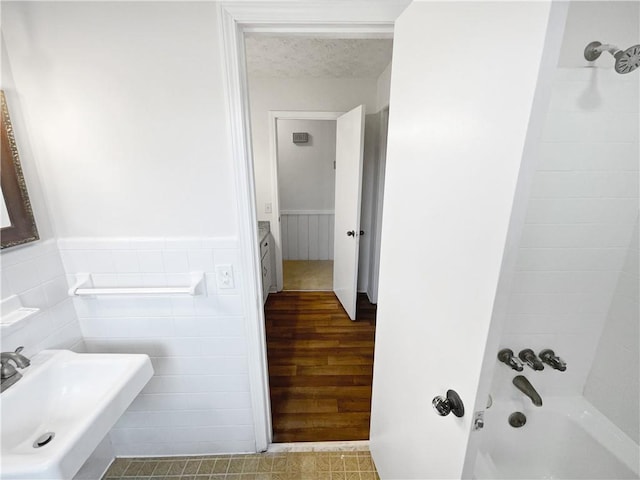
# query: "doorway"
304,179
320,79
306,152
320,361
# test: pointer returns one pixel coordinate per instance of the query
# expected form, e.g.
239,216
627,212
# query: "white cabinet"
266,262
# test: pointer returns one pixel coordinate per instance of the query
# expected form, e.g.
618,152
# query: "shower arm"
612,49
594,49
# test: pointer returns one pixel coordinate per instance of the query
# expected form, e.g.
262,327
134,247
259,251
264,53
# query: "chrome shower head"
626,60
629,60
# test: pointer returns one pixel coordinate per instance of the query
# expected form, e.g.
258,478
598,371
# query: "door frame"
376,220
347,19
274,116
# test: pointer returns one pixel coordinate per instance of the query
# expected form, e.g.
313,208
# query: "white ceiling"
294,56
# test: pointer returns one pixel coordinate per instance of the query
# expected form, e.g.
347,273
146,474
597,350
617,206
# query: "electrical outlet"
224,276
267,208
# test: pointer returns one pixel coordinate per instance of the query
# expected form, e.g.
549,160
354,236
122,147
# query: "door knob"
453,403
361,232
351,233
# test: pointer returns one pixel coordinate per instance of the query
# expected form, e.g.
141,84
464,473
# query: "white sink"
78,397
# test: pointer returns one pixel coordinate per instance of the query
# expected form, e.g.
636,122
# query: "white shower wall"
583,204
613,383
579,222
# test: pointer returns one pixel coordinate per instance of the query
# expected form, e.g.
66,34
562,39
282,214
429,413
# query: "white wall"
306,175
580,218
302,94
198,400
306,183
613,382
34,271
26,143
125,104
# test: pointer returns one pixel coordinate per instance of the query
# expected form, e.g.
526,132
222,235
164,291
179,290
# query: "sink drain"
43,439
517,419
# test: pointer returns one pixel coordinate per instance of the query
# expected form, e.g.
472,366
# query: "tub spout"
525,387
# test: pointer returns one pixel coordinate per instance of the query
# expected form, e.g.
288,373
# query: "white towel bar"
84,287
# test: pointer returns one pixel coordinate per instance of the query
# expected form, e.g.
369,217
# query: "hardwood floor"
320,367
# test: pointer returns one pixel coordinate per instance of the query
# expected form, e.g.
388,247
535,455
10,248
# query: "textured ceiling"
291,57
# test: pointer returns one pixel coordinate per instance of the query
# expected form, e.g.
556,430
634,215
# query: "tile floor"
336,465
312,275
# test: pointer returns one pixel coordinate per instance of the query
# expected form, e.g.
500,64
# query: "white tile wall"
580,219
613,385
35,273
198,400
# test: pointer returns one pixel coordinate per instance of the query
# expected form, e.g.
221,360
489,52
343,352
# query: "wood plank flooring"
320,367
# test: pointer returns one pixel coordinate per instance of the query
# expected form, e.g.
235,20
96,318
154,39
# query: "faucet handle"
528,357
7,371
507,357
550,358
16,357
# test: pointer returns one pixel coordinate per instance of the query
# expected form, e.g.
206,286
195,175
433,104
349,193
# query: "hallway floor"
337,465
312,275
320,367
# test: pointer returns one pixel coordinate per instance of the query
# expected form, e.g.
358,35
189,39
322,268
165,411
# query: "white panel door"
349,153
463,83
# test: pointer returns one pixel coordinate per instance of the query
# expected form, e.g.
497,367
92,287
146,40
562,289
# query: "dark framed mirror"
18,225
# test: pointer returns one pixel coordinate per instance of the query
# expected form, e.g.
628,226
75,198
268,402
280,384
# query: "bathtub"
566,438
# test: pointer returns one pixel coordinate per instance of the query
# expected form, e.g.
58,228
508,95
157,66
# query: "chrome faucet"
8,373
550,358
528,357
522,384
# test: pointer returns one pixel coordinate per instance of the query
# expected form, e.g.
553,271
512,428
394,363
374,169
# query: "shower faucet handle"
507,357
550,358
530,358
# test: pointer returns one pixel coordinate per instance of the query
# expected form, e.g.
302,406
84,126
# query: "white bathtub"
566,438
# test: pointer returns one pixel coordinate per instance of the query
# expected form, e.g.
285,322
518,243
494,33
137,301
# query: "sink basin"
77,397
